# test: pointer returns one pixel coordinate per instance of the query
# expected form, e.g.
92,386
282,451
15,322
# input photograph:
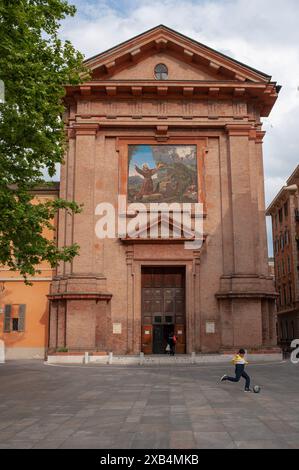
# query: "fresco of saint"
147,185
162,173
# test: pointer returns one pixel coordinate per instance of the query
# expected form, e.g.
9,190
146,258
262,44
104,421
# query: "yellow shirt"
237,359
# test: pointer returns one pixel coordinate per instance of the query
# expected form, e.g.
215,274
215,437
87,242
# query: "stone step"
160,359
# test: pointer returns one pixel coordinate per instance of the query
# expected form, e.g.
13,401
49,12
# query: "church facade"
165,119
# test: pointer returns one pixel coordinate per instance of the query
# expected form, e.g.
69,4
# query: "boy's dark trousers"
240,372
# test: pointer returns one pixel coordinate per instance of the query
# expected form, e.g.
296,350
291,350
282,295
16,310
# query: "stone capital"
260,136
85,128
238,129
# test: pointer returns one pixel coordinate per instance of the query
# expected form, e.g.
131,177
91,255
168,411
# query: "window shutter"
22,310
7,318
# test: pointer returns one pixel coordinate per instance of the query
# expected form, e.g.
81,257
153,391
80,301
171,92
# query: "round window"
161,72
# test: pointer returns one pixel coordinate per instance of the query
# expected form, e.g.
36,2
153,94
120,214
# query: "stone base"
25,353
79,314
157,359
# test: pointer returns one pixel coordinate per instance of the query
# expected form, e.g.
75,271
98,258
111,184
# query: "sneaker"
247,390
223,378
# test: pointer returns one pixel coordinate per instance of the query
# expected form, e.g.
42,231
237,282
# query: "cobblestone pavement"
176,407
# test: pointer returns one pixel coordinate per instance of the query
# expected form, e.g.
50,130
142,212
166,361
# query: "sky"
263,34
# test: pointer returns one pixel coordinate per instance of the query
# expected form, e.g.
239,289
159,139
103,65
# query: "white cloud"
261,33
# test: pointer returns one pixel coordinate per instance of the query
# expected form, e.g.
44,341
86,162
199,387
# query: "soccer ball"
256,389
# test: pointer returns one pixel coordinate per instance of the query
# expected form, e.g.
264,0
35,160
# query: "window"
280,215
284,295
289,264
281,242
292,330
14,317
286,329
286,237
169,319
161,72
286,209
15,324
290,294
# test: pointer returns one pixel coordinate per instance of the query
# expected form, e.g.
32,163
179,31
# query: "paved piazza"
177,406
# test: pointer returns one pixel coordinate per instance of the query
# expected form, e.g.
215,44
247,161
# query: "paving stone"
213,440
182,440
153,407
262,444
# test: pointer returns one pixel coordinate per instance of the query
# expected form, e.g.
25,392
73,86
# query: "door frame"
149,329
192,298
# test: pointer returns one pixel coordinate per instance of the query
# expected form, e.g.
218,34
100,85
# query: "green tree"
34,67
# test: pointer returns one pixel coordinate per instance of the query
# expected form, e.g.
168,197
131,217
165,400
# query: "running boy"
240,363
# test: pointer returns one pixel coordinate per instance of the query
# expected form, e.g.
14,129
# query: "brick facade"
284,211
208,100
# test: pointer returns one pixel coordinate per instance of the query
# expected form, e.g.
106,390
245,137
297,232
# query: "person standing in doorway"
172,339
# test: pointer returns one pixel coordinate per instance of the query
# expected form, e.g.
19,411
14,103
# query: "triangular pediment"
177,68
135,59
162,227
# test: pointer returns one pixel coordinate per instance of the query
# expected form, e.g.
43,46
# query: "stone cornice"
80,295
239,129
281,198
246,295
84,128
263,93
245,130
86,87
294,178
260,137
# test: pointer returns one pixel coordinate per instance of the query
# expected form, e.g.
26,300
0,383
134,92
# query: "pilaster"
242,213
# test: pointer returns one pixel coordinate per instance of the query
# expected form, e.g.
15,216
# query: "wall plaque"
210,327
116,328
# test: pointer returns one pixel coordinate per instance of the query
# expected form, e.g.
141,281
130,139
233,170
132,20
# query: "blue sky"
144,155
261,33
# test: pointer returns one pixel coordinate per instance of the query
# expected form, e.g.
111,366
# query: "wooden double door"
163,308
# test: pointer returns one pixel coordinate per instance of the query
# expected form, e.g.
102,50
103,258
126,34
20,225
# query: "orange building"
24,309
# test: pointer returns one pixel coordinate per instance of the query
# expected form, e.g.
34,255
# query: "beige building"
166,119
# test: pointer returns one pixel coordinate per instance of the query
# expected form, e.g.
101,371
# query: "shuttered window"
14,322
21,323
7,318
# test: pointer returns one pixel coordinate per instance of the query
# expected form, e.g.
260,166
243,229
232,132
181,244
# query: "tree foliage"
35,64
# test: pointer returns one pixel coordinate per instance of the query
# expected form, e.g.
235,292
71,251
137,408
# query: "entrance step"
157,359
